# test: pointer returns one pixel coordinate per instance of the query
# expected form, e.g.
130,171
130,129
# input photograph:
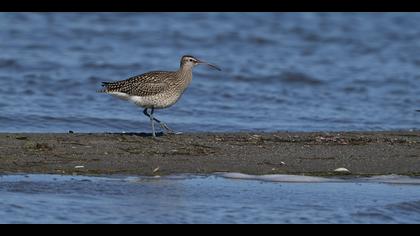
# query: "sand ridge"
309,153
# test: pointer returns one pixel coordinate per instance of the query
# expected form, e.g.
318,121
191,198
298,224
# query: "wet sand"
362,153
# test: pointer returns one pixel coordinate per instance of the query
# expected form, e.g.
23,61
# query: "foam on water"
387,179
393,179
280,178
286,178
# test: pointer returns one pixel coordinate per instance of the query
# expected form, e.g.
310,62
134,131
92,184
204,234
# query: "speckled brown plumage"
147,84
157,89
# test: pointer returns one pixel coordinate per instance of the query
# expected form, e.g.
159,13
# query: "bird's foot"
168,130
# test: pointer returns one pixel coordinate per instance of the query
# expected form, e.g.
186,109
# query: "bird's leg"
163,125
151,120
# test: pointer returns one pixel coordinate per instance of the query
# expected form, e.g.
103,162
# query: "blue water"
208,199
294,71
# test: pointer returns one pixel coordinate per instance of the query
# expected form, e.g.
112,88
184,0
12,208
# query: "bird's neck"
184,77
185,73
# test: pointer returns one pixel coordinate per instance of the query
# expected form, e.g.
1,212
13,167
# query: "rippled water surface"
295,71
227,198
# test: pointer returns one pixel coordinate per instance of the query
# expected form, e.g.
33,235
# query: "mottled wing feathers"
146,84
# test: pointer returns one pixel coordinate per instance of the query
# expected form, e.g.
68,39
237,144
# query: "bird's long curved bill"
210,65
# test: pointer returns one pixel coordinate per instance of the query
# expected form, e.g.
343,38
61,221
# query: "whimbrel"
156,89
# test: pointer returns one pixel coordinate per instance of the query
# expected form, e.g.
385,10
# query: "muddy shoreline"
319,153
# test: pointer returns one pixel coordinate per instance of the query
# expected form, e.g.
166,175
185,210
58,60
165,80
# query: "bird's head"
188,62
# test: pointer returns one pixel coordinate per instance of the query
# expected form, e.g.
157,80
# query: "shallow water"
295,71
220,198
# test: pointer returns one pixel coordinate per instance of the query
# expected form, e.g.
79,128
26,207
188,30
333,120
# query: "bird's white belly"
155,101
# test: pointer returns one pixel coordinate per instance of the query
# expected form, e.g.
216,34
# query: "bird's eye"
191,60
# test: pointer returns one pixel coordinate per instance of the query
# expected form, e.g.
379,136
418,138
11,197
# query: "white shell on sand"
342,170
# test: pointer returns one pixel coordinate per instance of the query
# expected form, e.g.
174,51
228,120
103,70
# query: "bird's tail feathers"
105,89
